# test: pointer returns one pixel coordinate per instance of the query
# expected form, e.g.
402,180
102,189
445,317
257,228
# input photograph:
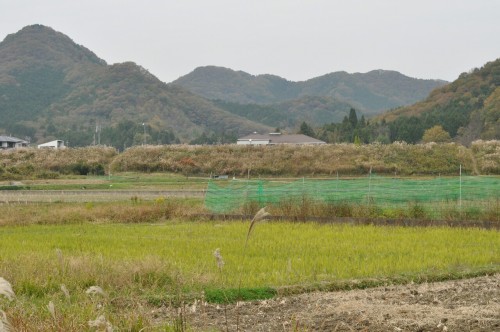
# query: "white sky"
294,39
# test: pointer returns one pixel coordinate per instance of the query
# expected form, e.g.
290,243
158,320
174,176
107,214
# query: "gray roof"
282,139
11,139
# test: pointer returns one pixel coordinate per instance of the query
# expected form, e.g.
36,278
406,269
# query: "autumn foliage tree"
436,134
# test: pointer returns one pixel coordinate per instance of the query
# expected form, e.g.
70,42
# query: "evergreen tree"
307,130
353,118
362,122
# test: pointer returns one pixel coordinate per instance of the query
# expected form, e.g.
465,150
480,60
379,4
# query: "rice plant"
144,267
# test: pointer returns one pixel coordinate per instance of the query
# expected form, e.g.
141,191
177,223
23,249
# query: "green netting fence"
228,196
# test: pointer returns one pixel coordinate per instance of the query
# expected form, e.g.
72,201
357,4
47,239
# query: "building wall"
252,142
12,145
52,145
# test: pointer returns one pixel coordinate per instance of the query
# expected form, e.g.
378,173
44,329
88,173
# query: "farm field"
148,242
443,199
145,268
114,188
121,181
458,305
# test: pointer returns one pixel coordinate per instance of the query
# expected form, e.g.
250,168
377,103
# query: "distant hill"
51,87
468,108
371,92
316,111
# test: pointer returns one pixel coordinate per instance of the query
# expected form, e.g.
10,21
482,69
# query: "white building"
57,144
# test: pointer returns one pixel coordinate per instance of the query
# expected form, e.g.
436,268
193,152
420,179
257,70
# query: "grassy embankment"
240,161
328,160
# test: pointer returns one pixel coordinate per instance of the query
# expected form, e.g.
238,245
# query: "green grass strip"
232,295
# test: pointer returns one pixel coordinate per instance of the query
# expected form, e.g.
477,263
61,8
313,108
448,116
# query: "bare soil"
459,305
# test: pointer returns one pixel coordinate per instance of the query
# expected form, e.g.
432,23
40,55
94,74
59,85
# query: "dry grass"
328,160
47,163
133,211
487,154
241,161
5,326
6,289
260,215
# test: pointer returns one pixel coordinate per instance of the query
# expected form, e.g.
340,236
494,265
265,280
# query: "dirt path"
34,196
462,305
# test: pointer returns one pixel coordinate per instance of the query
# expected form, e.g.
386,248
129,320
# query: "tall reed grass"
48,163
483,157
329,160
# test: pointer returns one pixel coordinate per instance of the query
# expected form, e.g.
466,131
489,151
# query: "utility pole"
144,137
98,131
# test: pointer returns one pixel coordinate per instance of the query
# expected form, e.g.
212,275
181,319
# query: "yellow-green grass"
278,254
141,266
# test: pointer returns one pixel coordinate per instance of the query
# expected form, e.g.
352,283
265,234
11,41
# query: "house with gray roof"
278,138
9,142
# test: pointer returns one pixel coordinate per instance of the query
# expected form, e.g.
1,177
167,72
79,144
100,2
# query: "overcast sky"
294,39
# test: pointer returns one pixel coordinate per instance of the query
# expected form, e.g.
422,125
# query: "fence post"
370,187
460,202
260,194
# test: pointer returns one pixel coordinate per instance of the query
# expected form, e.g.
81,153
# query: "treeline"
215,138
409,129
127,134
121,136
352,130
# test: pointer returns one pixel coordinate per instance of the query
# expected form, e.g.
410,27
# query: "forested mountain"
371,92
468,109
316,111
463,111
51,88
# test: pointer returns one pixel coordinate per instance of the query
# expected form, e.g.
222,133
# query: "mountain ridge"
51,87
371,92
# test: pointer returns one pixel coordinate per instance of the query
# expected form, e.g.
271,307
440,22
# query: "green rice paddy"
278,254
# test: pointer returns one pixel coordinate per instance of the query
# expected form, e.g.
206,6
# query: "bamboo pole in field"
460,202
